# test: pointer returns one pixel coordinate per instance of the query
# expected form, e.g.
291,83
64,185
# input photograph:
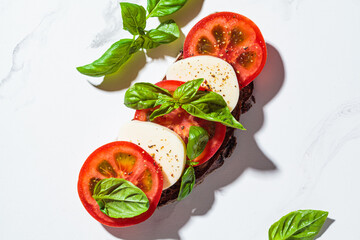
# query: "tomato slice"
180,121
120,160
232,37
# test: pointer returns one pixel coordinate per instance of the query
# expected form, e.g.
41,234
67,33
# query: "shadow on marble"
191,9
123,78
326,225
188,13
167,222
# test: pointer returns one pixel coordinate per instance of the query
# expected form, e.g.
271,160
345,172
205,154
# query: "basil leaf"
151,4
165,108
187,91
119,198
187,183
137,45
301,224
161,8
110,61
198,138
134,18
211,106
166,32
148,43
143,41
146,95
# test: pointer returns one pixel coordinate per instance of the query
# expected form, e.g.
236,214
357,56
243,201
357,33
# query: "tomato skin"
183,121
235,54
88,170
172,85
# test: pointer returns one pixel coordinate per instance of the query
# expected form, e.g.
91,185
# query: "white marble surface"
301,149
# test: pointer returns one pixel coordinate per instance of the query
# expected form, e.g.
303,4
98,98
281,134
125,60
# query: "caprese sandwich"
183,126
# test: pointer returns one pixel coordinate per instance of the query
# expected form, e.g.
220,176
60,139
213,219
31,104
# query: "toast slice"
246,99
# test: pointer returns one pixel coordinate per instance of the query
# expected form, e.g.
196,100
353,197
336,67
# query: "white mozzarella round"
219,76
164,145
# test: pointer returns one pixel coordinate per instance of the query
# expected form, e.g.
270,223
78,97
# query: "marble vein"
112,17
338,129
21,56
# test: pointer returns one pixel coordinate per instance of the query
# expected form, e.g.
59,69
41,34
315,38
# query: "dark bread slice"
246,99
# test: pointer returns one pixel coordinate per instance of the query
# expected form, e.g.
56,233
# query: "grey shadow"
186,14
326,225
125,75
123,78
182,17
168,220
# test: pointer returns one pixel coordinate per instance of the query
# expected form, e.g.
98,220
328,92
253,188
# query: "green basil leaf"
146,95
134,18
187,91
191,163
119,198
148,43
166,32
301,224
151,4
165,108
161,8
110,61
187,183
137,45
198,138
143,41
211,106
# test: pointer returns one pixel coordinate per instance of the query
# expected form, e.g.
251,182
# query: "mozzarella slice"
164,145
219,76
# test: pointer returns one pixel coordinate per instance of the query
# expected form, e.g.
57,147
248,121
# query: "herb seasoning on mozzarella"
164,145
219,76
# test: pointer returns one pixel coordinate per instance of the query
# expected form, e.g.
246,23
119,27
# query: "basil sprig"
198,138
134,21
119,198
206,105
301,224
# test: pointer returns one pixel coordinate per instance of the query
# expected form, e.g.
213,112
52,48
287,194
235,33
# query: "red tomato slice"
120,160
232,37
180,122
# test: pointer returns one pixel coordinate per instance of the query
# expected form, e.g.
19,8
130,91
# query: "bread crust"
246,100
